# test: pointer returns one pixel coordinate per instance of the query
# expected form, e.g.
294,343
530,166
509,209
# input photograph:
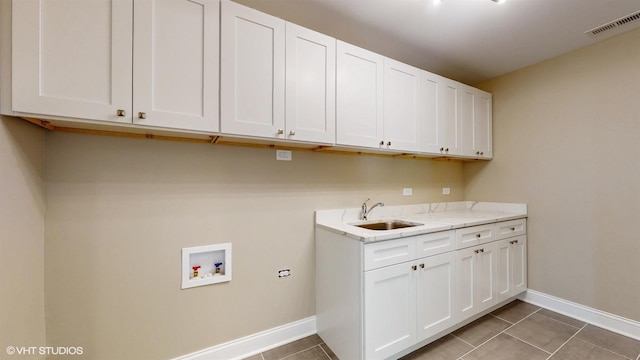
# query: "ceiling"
467,40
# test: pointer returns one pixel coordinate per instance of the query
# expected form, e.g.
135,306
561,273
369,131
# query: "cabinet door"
518,264
466,269
504,267
430,107
486,276
476,272
359,96
252,76
449,117
475,123
436,294
176,64
73,58
310,85
483,126
401,111
467,120
389,310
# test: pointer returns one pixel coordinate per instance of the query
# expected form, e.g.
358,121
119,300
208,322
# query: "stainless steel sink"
387,225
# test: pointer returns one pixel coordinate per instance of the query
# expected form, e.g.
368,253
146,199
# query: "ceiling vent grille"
614,24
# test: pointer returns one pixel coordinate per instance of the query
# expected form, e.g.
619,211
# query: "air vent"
614,24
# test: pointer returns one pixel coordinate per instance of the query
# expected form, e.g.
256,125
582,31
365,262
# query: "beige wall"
567,142
22,206
119,211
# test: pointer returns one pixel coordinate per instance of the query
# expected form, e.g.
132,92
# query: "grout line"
296,353
565,343
461,339
535,346
611,351
321,348
498,317
503,331
562,322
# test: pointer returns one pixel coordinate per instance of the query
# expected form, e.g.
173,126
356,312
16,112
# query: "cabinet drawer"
435,243
507,229
390,252
475,235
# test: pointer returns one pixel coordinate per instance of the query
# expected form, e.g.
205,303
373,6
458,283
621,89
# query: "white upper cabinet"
83,61
310,85
252,72
175,65
476,119
439,115
73,60
401,106
267,63
359,96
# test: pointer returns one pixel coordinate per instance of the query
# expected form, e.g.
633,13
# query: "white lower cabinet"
380,299
511,274
390,310
476,268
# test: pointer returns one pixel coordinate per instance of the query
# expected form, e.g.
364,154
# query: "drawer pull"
513,229
414,268
478,236
121,113
421,266
513,242
142,115
479,251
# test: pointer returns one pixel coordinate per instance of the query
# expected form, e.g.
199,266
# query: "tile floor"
517,331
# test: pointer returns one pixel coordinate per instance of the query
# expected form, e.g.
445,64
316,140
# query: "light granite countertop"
432,217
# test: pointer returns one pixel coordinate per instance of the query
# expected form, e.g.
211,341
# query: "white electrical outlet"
446,191
284,273
283,155
407,191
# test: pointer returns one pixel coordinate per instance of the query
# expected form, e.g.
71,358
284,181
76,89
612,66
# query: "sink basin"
387,225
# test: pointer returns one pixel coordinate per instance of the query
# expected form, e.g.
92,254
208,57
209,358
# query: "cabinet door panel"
430,105
389,314
252,72
310,85
176,64
449,126
503,272
482,127
466,273
358,96
73,58
519,265
436,299
485,276
401,88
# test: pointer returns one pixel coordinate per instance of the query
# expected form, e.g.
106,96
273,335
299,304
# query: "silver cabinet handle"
121,113
292,132
280,131
142,115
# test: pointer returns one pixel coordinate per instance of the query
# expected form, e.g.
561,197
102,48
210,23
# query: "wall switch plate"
407,191
284,273
283,155
446,191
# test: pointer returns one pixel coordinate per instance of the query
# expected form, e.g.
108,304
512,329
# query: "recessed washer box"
205,265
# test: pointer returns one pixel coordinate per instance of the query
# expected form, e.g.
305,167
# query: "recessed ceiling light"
499,1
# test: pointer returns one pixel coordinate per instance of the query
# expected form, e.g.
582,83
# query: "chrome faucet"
365,211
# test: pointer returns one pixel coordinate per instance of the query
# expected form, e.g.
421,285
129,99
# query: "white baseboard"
589,315
253,344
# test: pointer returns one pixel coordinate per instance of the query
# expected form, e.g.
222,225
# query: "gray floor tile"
611,341
315,353
446,348
329,352
292,348
505,347
565,319
481,330
515,311
577,349
254,357
543,332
